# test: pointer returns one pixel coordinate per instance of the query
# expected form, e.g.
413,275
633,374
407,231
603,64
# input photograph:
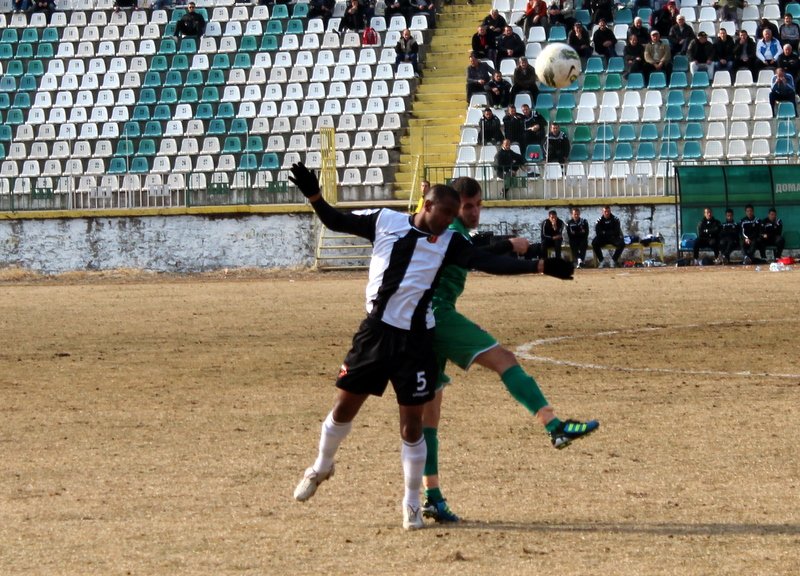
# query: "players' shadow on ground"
665,528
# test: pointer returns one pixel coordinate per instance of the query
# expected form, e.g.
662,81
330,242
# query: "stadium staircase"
438,110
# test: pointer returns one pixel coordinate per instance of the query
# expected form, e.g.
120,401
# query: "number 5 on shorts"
422,381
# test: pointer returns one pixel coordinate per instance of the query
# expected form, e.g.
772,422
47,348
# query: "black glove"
558,268
304,179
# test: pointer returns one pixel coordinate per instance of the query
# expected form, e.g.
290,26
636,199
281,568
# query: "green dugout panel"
722,187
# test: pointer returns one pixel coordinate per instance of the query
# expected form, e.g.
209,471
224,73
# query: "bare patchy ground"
154,424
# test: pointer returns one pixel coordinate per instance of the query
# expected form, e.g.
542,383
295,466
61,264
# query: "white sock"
332,435
413,457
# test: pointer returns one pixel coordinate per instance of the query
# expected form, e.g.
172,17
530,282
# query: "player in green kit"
463,342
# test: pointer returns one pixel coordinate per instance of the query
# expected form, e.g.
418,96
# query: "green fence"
734,186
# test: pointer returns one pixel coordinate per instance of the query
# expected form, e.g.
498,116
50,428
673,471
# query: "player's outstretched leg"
330,438
570,430
412,454
434,506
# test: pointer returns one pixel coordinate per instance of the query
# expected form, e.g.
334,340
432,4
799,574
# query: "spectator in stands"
524,80
771,235
605,43
789,32
506,163
407,50
790,62
322,9
782,89
561,13
489,131
744,53
396,8
634,56
657,56
750,229
426,8
766,23
498,90
680,35
535,15
495,23
728,236
509,45
191,24
578,234
556,146
118,5
723,51
534,126
579,40
552,233
608,231
639,30
664,19
353,18
514,126
478,75
483,44
701,55
768,49
730,10
708,231
601,10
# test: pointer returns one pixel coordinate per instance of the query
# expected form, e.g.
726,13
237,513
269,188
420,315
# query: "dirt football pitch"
155,424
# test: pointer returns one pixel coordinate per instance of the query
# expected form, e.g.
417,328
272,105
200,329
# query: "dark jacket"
191,24
608,228
750,228
724,50
557,147
747,49
549,231
514,128
700,52
709,229
577,230
489,131
771,229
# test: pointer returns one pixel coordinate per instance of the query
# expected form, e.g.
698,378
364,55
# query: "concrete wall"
201,243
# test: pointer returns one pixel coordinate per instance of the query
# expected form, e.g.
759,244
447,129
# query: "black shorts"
382,353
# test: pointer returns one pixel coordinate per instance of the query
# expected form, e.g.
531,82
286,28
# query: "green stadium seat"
250,43
205,111
579,153
239,127
210,94
786,110
668,150
300,10
649,132
279,11
698,96
2,151
188,46
613,82
786,128
162,112
194,78
692,150
694,131
623,16
242,60
678,80
5,101
674,113
174,78
544,101
601,152
672,131
793,8
167,47
226,111
605,133
169,95
658,81
124,148
147,96
131,130
646,151
591,83
159,63
147,147
8,84
22,100
269,43
140,165
179,62
784,147
627,133
24,51
564,116
189,95
534,154
557,34
675,98
582,134
274,27
232,145
217,127
141,113
177,14
216,78
700,79
616,65
50,35
5,133
269,161
294,26
6,51
583,16
566,100
574,87
680,63
45,50
696,113
623,151
28,83
635,81
152,80
644,14
118,166
594,65
10,36
254,144
15,68
221,62
248,163
169,29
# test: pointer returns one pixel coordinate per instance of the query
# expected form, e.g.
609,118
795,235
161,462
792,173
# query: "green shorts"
458,339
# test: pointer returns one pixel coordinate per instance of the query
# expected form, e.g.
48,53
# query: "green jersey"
453,279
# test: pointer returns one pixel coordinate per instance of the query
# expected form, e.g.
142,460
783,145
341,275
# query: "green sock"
524,389
433,494
552,425
432,459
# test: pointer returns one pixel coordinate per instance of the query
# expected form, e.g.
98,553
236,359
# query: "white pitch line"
524,351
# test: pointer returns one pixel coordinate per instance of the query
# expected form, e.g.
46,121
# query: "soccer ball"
558,65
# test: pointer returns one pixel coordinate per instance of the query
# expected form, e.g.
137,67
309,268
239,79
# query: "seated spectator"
680,35
578,234
608,231
534,126
524,80
657,56
768,49
639,30
509,45
771,235
782,89
20,5
535,15
723,51
489,132
605,43
765,23
407,50
790,62
495,23
507,163
789,32
744,53
729,10
426,8
556,145
634,56
498,90
561,13
395,8
513,126
708,231
601,10
552,233
579,40
483,44
478,75
664,19
728,236
322,9
353,18
750,229
191,24
701,55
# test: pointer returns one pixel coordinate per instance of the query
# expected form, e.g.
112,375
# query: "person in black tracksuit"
578,234
553,233
750,228
608,230
771,235
708,230
728,236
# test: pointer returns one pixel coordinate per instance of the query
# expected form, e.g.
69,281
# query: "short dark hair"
748,206
552,213
441,192
728,210
466,187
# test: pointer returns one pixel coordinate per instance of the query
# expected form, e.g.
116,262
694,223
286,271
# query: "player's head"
552,215
606,211
439,210
772,214
729,215
708,213
748,210
576,213
470,193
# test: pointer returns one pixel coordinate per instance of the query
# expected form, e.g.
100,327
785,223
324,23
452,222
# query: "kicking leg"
412,454
435,506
